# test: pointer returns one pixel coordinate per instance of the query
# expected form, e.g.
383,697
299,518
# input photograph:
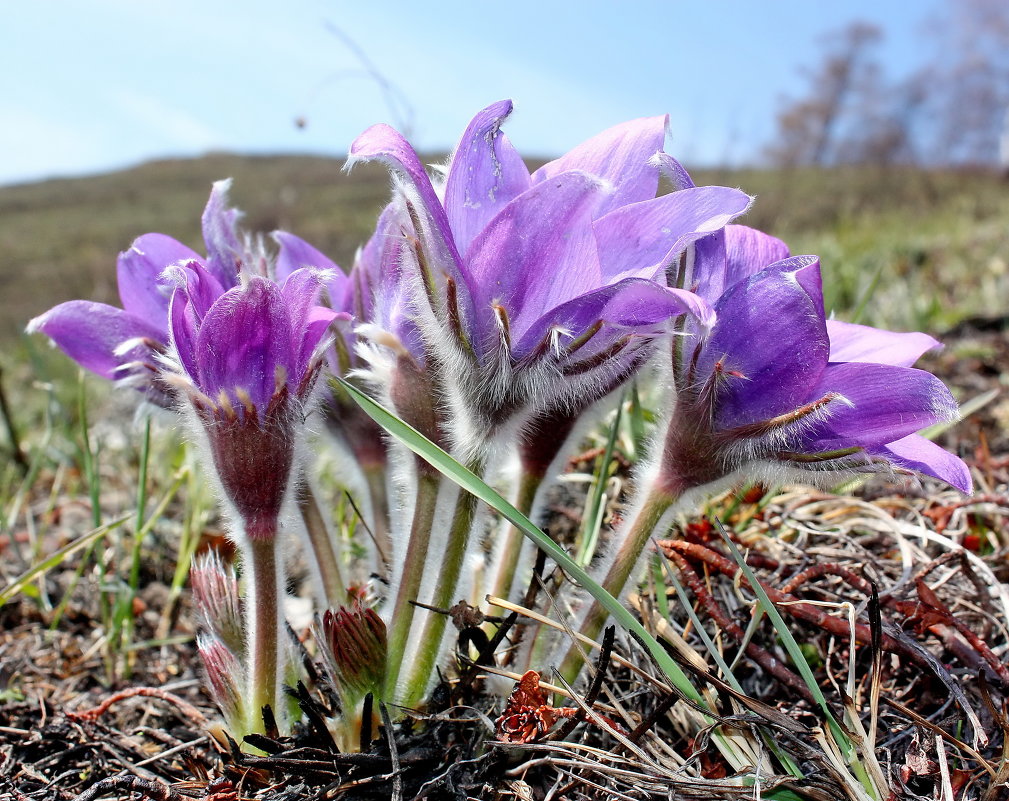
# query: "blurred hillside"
902,247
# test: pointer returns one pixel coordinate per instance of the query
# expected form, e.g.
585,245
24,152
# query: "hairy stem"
444,594
334,589
641,528
415,561
512,548
375,477
262,604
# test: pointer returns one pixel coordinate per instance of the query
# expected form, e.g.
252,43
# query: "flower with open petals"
534,289
126,344
773,390
774,384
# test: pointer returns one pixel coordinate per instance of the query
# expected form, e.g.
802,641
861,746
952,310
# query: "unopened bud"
215,593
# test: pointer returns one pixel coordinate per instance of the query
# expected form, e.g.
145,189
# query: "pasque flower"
533,291
247,361
774,390
125,344
541,287
775,385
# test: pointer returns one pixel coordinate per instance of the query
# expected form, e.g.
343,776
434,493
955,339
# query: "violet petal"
486,173
139,271
308,321
621,155
536,253
90,333
923,456
632,305
769,331
641,239
886,404
294,253
245,336
861,343
380,142
220,234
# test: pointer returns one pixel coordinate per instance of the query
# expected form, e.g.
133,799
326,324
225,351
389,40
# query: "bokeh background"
870,130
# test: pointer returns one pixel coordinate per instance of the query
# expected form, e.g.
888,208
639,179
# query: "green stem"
321,542
374,476
261,603
512,548
444,595
650,513
415,561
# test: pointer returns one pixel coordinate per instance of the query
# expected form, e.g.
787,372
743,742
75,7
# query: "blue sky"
97,85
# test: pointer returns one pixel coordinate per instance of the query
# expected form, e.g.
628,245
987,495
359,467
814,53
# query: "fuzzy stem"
529,483
444,594
647,518
374,476
334,589
414,564
261,591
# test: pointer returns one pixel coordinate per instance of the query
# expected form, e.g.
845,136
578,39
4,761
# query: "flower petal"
748,251
196,292
633,305
220,234
244,338
770,331
886,404
537,253
308,320
673,171
621,155
90,334
386,144
294,253
861,343
923,456
485,173
642,239
732,255
139,271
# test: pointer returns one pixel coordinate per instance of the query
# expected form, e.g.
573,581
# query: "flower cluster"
493,310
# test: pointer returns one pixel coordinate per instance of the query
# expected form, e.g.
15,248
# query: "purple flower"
538,289
126,344
774,385
247,360
375,295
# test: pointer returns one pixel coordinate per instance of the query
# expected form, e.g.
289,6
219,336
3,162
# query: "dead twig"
181,704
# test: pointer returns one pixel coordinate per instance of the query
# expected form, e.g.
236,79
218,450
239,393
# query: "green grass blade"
57,557
842,740
593,516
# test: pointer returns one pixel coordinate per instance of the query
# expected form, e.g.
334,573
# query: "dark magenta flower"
537,289
248,359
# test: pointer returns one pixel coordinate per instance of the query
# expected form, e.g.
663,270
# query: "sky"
89,86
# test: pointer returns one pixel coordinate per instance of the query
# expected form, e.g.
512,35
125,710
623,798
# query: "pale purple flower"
775,385
126,344
539,289
375,297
